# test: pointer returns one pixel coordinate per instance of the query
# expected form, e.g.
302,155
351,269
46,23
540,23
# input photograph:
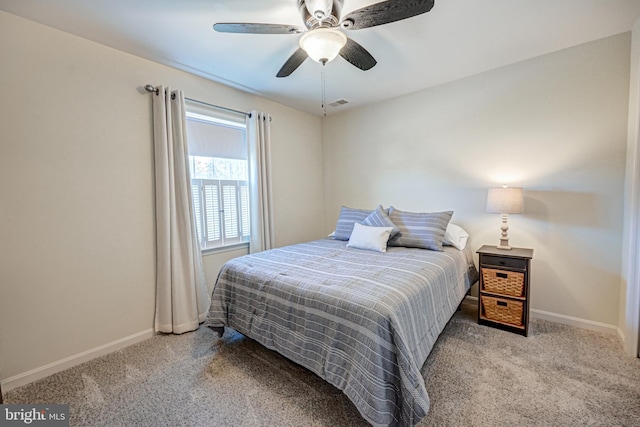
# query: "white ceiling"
458,38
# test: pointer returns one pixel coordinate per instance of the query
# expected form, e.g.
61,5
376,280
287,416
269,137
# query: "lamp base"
504,238
504,244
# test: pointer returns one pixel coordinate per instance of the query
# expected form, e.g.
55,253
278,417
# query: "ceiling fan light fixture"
323,44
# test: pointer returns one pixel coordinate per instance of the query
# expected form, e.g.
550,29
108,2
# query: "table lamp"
505,200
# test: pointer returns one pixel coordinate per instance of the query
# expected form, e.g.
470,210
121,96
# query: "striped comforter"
364,321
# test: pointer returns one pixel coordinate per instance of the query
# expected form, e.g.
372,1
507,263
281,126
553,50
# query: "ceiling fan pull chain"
324,89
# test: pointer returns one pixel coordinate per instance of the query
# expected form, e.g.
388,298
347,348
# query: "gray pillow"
348,217
379,218
419,230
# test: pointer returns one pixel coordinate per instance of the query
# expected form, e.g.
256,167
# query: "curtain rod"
150,88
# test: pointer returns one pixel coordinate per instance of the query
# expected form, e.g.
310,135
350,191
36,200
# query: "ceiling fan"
322,40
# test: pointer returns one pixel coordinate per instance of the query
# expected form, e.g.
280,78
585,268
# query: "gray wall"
555,125
77,232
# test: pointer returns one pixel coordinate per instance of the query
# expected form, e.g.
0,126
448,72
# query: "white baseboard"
567,320
575,321
71,361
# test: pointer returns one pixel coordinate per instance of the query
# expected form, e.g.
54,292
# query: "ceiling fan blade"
239,27
292,63
357,55
385,12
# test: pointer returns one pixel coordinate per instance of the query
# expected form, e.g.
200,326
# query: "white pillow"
455,236
369,238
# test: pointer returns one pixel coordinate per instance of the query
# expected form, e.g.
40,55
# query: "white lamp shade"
323,44
505,200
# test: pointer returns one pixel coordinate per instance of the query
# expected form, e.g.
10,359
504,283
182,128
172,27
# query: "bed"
364,321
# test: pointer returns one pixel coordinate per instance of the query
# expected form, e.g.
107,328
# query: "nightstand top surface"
512,253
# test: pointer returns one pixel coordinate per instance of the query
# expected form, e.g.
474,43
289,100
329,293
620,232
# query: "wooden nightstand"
503,298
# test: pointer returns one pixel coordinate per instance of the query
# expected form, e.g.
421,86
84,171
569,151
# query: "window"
219,176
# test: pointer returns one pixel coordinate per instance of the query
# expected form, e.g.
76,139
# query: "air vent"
339,102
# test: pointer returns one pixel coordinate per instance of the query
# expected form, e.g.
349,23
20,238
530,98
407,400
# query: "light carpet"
475,376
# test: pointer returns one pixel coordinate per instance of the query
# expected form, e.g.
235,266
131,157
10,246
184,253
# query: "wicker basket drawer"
503,310
503,282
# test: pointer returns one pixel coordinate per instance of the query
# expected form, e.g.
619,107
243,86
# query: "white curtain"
262,227
182,298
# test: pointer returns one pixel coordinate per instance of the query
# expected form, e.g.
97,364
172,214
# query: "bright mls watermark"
34,415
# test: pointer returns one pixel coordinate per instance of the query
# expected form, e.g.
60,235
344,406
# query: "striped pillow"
419,230
379,218
348,217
